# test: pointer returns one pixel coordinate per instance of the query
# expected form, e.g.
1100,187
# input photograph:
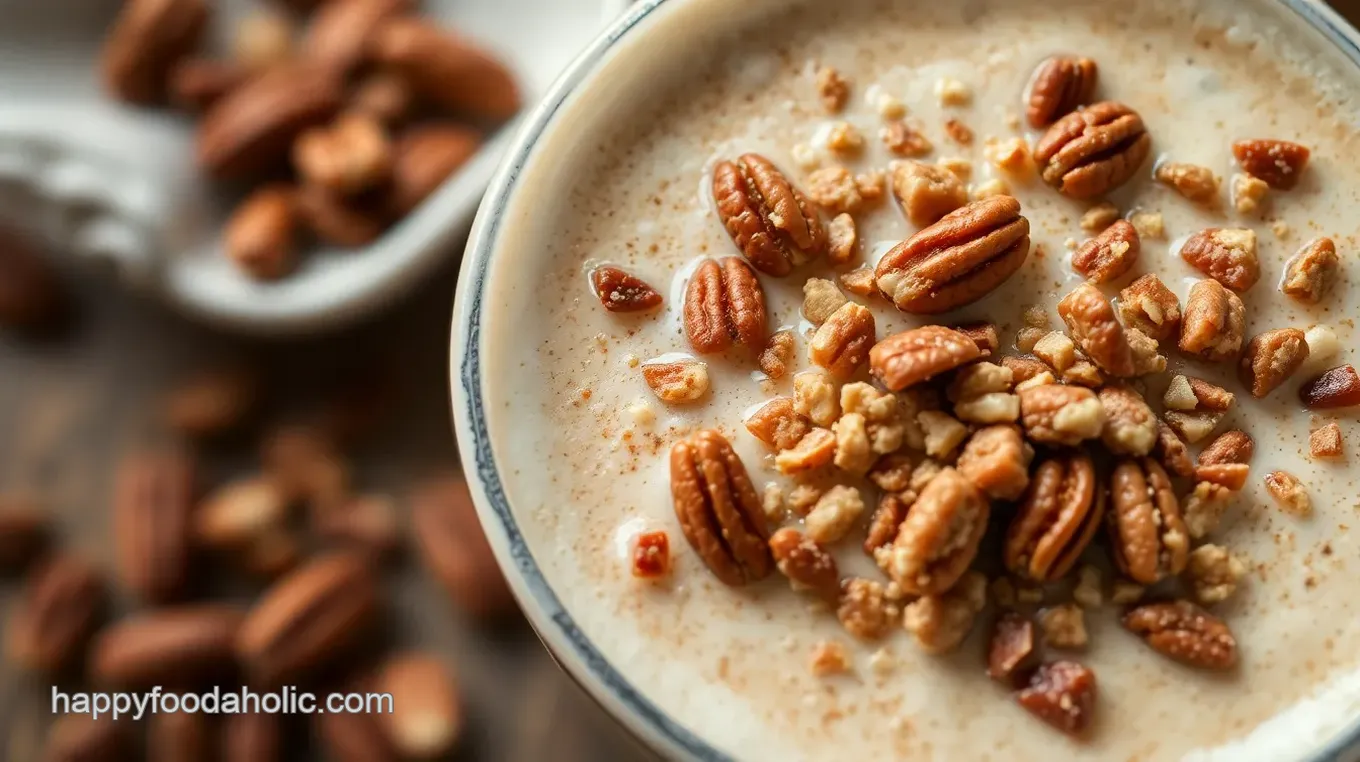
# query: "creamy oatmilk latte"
887,116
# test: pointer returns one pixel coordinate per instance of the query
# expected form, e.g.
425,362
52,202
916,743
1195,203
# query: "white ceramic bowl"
492,465
102,180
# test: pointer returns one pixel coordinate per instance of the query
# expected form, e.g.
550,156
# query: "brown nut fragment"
1190,394
1093,151
385,98
957,260
1229,447
864,610
1310,274
1064,626
1204,507
1149,538
652,554
778,425
262,235
677,383
246,521
25,533
1337,387
347,157
1110,254
1289,492
807,565
719,509
55,614
939,537
1278,162
1228,255
1024,368
1171,451
996,460
1058,86
821,298
842,240
213,402
1271,358
445,69
1061,415
1055,519
886,520
147,40
455,551
250,131
927,192
425,157
984,335
911,357
341,31
619,291
1148,305
153,507
842,343
859,281
832,89
777,356
197,83
171,646
1062,694
1130,426
1231,476
1214,323
1091,319
724,303
1185,632
341,221
939,623
1214,573
1195,183
1012,650
769,219
1325,442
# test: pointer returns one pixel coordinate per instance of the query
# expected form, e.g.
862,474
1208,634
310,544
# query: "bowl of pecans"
909,380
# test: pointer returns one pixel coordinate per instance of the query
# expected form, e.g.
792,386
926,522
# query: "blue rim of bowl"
571,647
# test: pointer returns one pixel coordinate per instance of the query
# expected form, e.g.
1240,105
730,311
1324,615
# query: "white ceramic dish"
110,182
497,464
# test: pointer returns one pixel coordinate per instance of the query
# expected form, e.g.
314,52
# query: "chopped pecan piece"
1108,255
1214,573
859,281
1204,508
832,89
1270,359
1091,319
958,260
834,189
1099,217
1148,305
816,449
1215,320
1196,183
1228,255
836,510
1055,520
1325,442
1024,368
892,473
1062,415
1059,85
1149,538
1289,492
1130,426
958,132
1229,447
814,395
1064,626
996,460
1171,451
677,382
724,303
1248,193
1062,694
943,432
1091,152
939,537
1185,632
885,423
620,292
719,510
1189,394
903,140
777,355
1012,651
821,299
778,425
1278,162
926,192
1337,387
939,622
1310,274
917,355
864,610
1232,476
829,658
652,555
854,455
887,518
842,240
769,219
842,343
807,564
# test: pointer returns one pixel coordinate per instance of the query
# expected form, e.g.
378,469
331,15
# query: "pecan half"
619,291
724,303
1091,319
1110,254
1310,274
910,357
1093,151
842,343
1336,387
768,218
1062,694
1059,85
1270,358
1148,535
996,460
1228,255
958,260
1061,415
1055,520
1215,320
1148,305
1278,162
807,565
152,515
939,537
1186,633
1012,650
719,510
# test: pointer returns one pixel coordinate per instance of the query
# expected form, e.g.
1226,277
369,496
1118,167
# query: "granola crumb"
829,658
1204,508
1150,225
1325,441
943,432
833,89
854,455
772,502
1064,626
939,623
802,497
889,106
845,138
882,661
805,156
842,240
1214,573
1289,493
1099,217
952,92
1323,345
864,611
961,167
859,281
820,299
1008,154
777,357
1124,592
815,396
1087,591
994,187
1248,194
835,189
835,512
871,186
958,132
903,140
1281,229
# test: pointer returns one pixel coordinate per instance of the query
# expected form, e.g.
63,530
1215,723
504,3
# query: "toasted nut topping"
1214,573
807,565
864,610
677,382
1338,387
842,240
620,292
1270,358
835,512
1099,217
1186,633
1012,650
911,357
820,299
1150,225
778,425
940,622
814,395
1289,492
842,343
724,303
1108,255
1093,151
888,515
983,334
1229,447
719,510
777,355
926,192
1232,476
1226,255
1147,532
1059,85
1171,451
939,537
1248,194
1063,415
1196,183
1130,426
652,555
836,190
1064,626
1204,508
886,422
1091,319
1310,274
1215,320
903,140
943,432
1325,442
1149,306
1055,520
859,281
816,449
996,460
1062,694
829,658
832,89
769,219
1278,162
